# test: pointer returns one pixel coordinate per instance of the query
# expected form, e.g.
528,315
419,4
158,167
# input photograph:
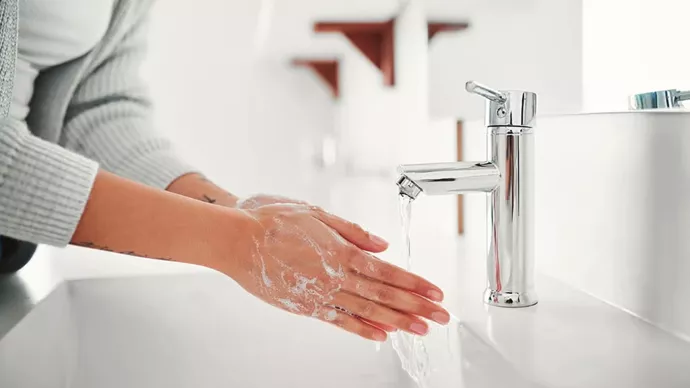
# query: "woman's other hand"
368,242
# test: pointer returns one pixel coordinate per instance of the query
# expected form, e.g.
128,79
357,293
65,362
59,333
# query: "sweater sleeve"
110,118
43,187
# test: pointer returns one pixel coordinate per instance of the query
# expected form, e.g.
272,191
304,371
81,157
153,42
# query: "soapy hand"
312,263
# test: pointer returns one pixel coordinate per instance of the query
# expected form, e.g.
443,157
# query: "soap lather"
508,178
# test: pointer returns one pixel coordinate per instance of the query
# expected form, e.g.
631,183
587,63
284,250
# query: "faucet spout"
448,178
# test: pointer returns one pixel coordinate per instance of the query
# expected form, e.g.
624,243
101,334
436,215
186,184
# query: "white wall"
633,46
377,123
365,116
533,45
246,120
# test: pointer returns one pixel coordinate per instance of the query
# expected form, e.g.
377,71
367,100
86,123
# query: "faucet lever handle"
486,92
510,108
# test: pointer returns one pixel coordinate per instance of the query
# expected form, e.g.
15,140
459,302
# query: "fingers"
375,312
396,299
381,326
387,273
352,324
352,232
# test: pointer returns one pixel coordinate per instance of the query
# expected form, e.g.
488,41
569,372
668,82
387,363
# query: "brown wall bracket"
373,39
436,27
326,69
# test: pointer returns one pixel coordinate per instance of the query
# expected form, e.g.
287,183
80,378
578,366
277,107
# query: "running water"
410,348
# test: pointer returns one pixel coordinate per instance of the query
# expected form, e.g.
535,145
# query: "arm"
127,217
49,195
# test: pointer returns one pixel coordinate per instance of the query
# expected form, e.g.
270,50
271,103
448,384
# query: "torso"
52,32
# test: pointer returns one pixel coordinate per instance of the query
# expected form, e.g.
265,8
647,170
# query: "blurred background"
228,89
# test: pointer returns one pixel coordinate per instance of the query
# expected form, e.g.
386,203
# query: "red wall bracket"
373,39
326,69
437,27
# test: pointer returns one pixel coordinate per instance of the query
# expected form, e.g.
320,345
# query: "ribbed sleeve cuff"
43,187
157,169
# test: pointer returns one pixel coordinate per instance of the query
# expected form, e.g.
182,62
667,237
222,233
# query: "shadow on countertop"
15,301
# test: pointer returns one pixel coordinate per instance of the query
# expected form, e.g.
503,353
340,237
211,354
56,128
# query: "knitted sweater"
90,112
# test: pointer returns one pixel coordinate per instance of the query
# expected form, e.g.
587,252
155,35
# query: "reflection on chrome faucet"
508,177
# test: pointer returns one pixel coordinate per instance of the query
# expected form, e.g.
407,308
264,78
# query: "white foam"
264,276
331,315
290,305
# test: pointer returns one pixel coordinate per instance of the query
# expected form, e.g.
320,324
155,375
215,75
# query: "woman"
80,164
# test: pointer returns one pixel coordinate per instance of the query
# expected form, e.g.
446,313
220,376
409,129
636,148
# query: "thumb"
352,232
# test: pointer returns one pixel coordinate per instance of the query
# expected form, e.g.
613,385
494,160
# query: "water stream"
411,350
432,359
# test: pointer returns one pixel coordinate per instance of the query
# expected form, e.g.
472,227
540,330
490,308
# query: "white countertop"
96,319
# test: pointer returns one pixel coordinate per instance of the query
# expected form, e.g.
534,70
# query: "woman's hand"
309,262
299,258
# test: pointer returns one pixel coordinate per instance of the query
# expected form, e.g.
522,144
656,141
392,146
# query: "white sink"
200,330
613,208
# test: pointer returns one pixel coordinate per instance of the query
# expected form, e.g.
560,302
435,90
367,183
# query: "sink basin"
613,216
200,330
177,331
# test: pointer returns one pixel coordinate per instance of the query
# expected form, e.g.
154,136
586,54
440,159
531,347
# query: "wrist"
229,233
198,187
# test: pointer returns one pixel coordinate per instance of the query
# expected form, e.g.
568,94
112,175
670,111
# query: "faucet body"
508,178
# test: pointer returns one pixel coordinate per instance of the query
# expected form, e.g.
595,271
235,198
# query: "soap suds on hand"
332,272
264,276
290,305
301,287
331,315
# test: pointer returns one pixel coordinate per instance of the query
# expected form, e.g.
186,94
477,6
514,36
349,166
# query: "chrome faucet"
508,177
662,99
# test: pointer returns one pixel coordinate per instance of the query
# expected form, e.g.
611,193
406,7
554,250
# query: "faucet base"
510,299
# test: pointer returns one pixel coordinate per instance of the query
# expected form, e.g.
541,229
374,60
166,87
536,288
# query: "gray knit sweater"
88,112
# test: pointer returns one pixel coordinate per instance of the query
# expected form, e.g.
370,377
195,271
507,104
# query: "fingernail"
378,240
419,328
440,317
436,296
381,337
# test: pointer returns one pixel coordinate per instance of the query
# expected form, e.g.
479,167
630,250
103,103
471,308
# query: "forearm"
198,187
126,217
